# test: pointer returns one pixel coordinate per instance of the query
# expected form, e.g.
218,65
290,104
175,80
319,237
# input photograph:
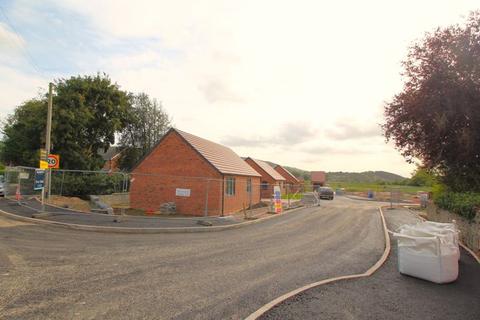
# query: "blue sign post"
39,181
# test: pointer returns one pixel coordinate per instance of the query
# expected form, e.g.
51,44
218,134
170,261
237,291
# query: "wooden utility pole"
48,180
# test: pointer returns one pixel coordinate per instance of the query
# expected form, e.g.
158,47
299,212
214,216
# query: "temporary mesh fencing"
173,194
20,181
394,195
155,193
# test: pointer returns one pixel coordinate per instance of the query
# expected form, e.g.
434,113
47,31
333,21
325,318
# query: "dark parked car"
326,193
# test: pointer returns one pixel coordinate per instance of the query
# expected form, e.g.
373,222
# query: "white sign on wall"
182,192
24,175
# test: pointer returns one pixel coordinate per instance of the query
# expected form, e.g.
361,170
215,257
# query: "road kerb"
369,272
130,230
474,255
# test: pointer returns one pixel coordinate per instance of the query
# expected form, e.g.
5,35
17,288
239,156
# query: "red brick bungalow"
201,177
292,181
270,177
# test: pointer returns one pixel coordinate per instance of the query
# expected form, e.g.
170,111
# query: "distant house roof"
288,172
111,152
221,157
268,169
318,176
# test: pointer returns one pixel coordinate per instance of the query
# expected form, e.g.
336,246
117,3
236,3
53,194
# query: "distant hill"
358,177
299,173
364,177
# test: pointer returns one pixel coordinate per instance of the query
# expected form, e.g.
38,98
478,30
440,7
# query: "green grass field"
292,196
364,187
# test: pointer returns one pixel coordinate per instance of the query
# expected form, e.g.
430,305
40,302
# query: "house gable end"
175,156
256,167
262,167
286,174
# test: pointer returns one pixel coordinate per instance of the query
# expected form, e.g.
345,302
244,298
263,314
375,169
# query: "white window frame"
249,185
230,186
264,185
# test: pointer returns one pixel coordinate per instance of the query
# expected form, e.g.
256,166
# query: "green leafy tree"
146,125
423,177
436,118
87,113
23,133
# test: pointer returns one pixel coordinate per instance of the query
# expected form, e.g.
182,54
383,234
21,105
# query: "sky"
300,83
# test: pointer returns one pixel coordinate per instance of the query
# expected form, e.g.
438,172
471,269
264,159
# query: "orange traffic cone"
18,196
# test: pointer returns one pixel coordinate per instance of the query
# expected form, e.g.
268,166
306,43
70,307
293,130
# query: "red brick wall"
265,193
241,198
175,164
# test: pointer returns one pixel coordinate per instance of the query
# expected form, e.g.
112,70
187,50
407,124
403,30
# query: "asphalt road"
53,273
389,295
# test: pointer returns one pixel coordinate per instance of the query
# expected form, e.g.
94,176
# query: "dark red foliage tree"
436,118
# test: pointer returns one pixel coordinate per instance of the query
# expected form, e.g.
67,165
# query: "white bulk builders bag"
448,231
443,229
426,256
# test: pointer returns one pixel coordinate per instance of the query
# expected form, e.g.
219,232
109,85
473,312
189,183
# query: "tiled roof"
111,152
288,172
318,176
222,158
268,169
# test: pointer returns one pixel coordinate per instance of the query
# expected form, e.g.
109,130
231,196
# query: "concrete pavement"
54,273
29,207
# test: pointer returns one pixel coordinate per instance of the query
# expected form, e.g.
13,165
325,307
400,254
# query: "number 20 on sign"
53,161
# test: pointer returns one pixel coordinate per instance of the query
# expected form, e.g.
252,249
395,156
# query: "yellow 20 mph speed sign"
53,161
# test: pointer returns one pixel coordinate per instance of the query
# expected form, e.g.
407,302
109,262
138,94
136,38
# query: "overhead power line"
23,47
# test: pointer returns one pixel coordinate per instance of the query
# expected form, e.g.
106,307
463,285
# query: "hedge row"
464,204
82,185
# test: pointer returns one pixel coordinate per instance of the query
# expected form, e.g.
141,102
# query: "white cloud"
9,41
12,47
143,59
17,87
216,90
285,135
175,23
16,84
347,129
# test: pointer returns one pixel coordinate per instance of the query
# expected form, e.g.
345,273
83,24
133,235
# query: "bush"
83,185
463,204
